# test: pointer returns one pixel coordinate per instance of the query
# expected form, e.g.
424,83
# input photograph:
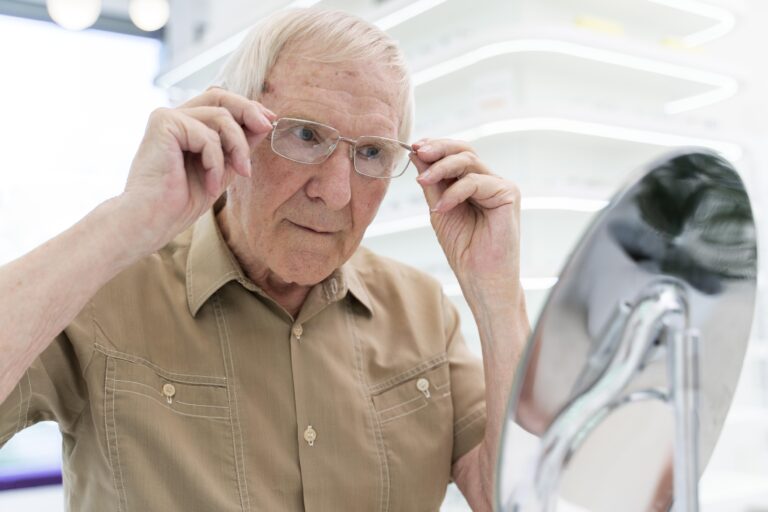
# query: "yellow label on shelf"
601,25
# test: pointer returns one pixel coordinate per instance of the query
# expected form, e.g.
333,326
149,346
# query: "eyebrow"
295,114
298,115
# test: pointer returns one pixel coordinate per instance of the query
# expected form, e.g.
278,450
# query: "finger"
248,113
232,135
195,136
485,191
432,150
454,166
432,192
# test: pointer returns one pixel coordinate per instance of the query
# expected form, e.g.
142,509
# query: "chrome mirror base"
655,325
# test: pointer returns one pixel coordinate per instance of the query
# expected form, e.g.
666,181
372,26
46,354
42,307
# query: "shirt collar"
211,265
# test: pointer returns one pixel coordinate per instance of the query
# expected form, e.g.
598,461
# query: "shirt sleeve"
467,387
52,389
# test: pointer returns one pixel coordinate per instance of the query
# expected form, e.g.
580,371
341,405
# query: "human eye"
305,133
370,152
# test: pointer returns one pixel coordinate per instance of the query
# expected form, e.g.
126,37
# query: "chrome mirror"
634,360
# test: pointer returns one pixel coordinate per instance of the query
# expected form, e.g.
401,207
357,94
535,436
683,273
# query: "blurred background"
566,97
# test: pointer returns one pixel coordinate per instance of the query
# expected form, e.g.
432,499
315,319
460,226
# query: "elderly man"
215,339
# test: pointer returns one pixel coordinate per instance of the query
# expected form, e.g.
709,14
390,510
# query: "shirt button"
310,435
297,330
423,385
334,287
169,390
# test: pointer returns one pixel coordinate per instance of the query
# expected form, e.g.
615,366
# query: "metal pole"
684,362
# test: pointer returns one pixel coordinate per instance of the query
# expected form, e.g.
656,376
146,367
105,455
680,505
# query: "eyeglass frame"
352,145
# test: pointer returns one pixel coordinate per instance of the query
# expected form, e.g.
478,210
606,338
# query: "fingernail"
437,207
424,176
270,112
425,149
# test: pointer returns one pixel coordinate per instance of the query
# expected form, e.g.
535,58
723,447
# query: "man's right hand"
186,160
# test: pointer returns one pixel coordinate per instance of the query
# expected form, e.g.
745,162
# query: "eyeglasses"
307,142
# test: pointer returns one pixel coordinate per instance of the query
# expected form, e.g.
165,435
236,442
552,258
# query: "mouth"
312,230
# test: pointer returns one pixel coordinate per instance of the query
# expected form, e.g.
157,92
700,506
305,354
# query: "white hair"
327,36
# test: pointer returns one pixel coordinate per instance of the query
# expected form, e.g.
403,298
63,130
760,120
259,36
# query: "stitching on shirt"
190,283
426,403
111,433
158,402
381,411
117,448
201,405
159,394
470,419
384,422
179,377
400,404
380,447
407,374
242,482
29,398
21,406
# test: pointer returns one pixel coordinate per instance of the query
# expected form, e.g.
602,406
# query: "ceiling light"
149,15
74,14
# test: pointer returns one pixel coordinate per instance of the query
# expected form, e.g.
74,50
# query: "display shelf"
531,71
676,24
453,31
529,151
547,237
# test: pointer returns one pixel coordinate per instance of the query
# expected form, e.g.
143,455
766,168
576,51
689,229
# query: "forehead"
358,98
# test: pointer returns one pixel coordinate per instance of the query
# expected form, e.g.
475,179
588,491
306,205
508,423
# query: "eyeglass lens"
311,143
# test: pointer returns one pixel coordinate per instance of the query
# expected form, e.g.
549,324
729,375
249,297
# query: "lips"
316,230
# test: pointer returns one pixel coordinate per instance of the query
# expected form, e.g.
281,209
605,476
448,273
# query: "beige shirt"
182,386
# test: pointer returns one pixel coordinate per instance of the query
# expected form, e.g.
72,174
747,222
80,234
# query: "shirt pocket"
415,413
169,438
412,391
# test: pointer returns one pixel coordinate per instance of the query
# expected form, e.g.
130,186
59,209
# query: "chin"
306,268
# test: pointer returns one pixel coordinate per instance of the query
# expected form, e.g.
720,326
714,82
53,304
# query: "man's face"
301,221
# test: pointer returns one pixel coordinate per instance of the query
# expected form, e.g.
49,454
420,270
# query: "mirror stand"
654,328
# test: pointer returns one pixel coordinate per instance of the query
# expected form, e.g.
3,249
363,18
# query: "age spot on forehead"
349,73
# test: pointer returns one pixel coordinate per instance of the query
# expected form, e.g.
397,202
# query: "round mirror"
638,349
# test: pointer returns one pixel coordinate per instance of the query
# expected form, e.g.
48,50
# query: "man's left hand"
475,213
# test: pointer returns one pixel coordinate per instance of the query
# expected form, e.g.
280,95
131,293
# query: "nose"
332,182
